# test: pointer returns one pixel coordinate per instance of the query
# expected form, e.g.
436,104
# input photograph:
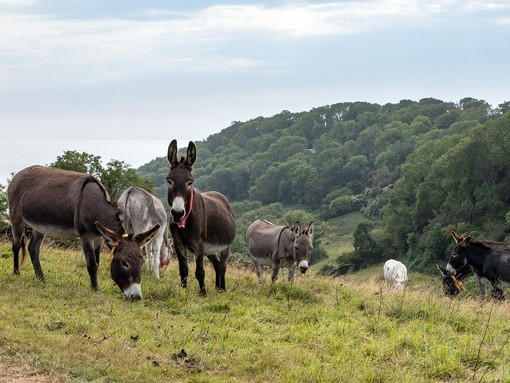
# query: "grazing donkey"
395,274
277,246
142,211
202,222
66,204
488,260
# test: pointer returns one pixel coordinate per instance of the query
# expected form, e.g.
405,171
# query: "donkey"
277,246
141,211
452,280
202,222
395,274
66,204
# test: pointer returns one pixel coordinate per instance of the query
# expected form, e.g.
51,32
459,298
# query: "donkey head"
452,284
180,181
127,259
457,266
303,246
458,258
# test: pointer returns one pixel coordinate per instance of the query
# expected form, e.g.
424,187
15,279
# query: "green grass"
318,329
337,240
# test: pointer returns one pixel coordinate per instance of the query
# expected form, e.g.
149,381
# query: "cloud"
17,3
58,49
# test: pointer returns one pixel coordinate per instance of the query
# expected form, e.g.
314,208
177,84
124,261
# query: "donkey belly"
212,248
54,231
264,261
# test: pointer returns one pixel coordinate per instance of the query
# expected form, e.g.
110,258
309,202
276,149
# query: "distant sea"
16,154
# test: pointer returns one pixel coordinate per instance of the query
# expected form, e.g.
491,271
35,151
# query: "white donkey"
140,211
395,274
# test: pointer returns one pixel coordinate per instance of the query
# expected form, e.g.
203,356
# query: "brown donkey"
202,222
66,204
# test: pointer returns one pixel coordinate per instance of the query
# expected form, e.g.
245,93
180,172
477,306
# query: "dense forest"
411,171
415,170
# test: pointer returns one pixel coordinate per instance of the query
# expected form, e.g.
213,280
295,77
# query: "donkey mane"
93,179
481,244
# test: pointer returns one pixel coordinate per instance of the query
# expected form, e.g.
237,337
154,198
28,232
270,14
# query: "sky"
122,78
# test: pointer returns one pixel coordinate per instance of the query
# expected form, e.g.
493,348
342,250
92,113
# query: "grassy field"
318,329
338,239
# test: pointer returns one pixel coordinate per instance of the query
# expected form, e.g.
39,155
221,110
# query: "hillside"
346,329
414,171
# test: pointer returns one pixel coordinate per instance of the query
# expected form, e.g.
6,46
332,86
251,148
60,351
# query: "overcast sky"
78,72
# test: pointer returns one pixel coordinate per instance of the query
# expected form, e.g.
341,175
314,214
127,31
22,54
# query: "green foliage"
419,166
79,162
344,204
4,213
116,176
452,181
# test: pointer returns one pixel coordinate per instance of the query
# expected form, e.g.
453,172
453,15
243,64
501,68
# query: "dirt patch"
22,373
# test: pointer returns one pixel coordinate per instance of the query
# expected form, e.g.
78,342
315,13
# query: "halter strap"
458,283
110,256
182,223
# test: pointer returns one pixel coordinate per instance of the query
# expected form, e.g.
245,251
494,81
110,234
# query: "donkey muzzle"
303,266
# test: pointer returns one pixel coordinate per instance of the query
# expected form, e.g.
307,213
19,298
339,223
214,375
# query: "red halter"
182,223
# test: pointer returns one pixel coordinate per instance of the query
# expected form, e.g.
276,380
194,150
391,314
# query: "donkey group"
66,204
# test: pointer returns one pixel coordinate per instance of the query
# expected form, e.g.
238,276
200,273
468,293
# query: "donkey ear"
456,237
142,238
310,230
442,270
172,154
465,241
296,228
111,237
191,153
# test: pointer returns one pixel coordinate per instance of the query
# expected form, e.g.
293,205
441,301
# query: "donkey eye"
125,265
189,183
170,182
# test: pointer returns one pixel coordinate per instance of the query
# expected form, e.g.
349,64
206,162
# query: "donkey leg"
18,242
155,245
224,255
259,269
217,268
220,267
33,249
481,286
89,249
183,265
276,270
497,291
200,273
292,270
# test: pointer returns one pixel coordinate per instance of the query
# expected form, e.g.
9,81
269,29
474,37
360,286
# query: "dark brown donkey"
65,204
202,222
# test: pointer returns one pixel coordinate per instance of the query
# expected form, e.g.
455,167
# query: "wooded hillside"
415,170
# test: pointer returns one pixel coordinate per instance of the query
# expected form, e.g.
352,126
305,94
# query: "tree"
118,176
503,107
366,249
79,162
